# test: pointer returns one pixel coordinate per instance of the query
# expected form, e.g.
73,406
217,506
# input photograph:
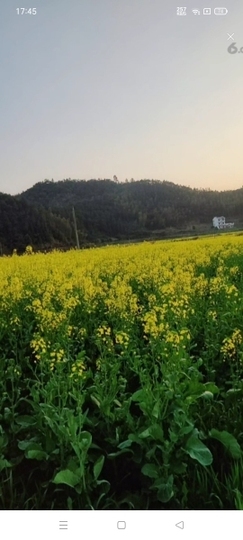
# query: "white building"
219,223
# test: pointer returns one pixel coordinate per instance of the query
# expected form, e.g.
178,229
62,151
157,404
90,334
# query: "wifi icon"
196,11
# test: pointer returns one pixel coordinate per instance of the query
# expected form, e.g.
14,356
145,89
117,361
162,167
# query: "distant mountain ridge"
107,210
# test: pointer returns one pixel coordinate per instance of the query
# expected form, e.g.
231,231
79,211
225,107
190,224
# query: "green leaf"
120,452
66,477
95,446
179,468
137,454
95,401
72,464
156,410
69,503
78,489
36,454
197,390
198,451
145,434
134,438
50,445
125,444
86,439
234,391
234,394
187,429
25,421
165,491
4,464
22,445
207,394
98,466
211,387
3,441
106,485
32,450
151,453
138,396
150,470
229,442
155,432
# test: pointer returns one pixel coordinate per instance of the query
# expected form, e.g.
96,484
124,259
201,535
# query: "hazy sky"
96,88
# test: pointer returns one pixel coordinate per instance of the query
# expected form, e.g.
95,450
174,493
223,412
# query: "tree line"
107,210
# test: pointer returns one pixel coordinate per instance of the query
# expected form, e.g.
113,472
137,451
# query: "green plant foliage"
230,443
198,451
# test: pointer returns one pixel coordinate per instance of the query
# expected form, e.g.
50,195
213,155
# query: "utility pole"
76,230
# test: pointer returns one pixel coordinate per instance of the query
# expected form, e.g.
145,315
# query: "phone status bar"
182,11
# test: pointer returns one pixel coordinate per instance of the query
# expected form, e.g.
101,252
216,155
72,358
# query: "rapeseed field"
122,377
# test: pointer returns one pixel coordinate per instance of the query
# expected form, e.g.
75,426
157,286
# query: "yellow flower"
231,344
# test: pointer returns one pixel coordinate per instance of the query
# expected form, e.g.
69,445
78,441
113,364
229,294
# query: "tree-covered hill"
108,210
122,207
22,223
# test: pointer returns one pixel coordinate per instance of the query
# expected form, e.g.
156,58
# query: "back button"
180,525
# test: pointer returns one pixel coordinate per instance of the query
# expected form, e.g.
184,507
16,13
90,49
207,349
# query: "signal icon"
196,11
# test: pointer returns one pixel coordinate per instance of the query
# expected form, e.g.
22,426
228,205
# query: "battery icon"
220,11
